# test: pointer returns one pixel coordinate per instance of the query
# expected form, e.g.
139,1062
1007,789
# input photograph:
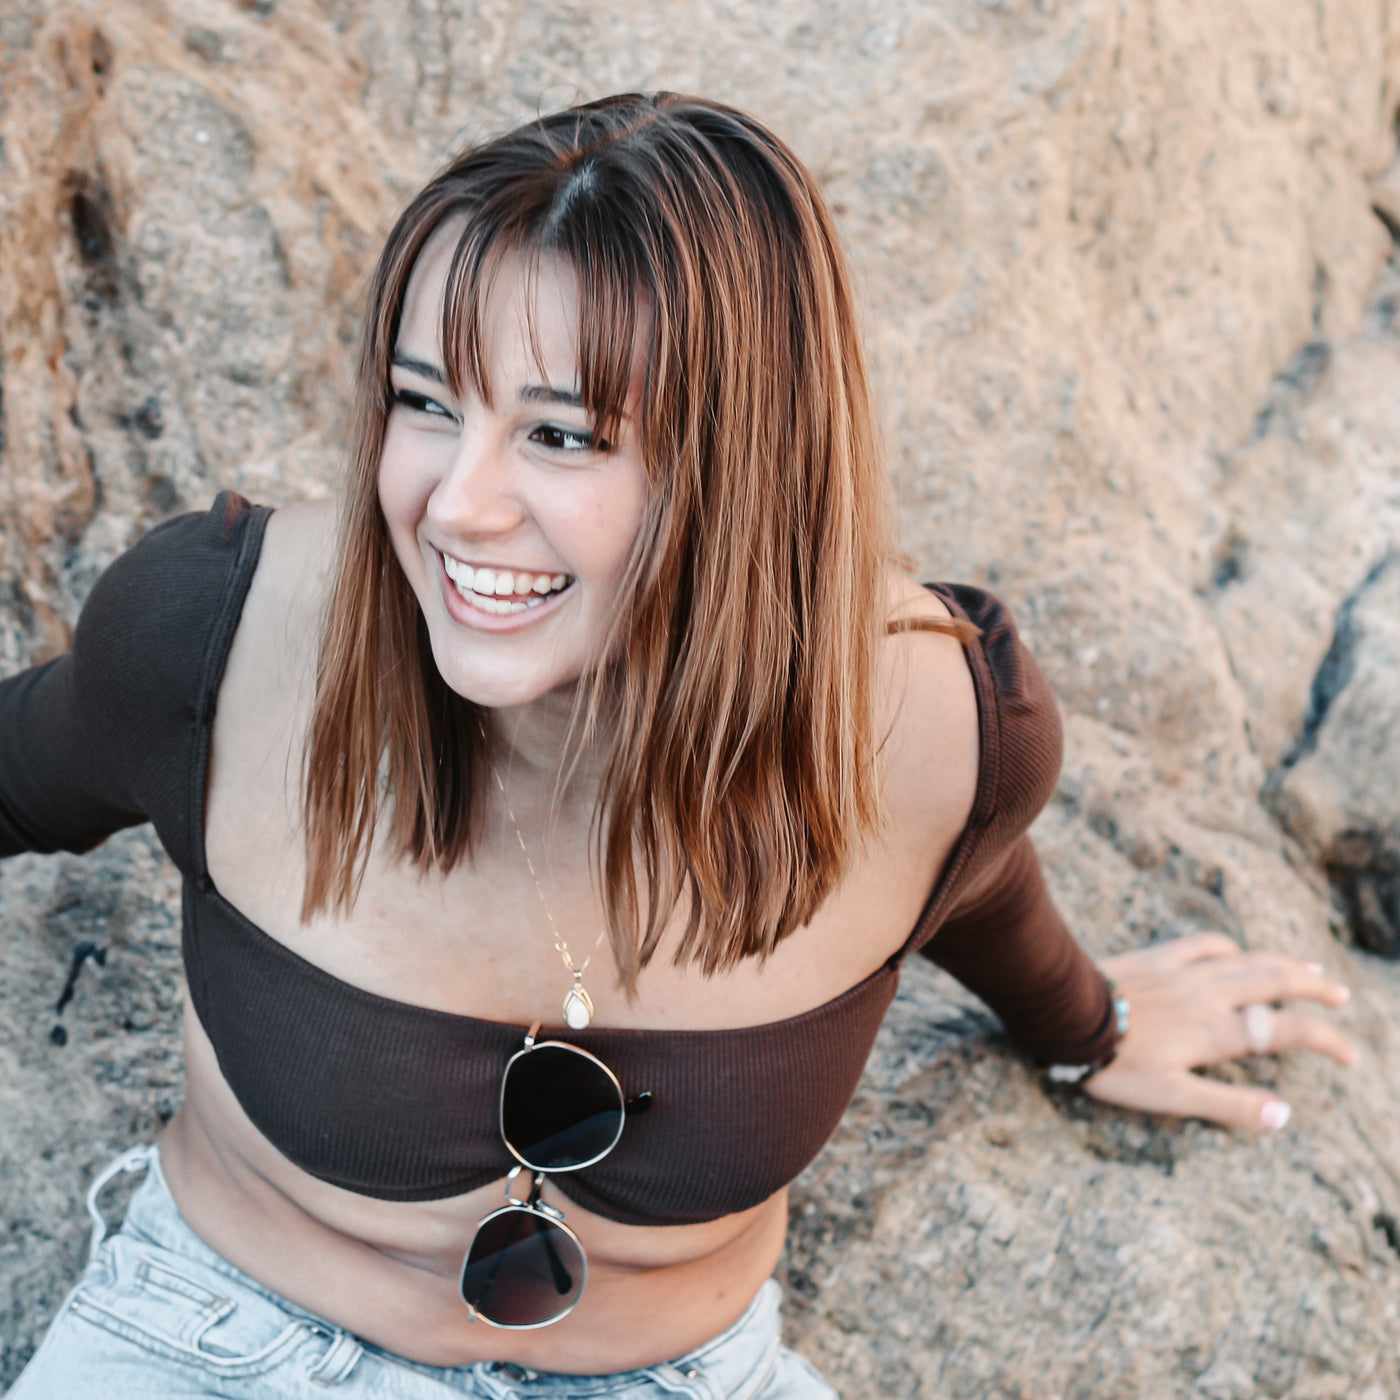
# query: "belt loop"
692,1381
489,1381
338,1361
134,1159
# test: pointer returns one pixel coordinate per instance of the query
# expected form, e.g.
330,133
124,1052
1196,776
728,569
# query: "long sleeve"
1009,945
111,734
991,922
59,786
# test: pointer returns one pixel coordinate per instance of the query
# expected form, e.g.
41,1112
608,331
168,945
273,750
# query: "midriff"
387,1271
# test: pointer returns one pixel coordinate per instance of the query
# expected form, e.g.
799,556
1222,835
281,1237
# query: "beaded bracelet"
1076,1074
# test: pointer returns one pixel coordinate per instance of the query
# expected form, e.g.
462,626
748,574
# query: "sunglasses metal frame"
541,1210
532,1205
530,1047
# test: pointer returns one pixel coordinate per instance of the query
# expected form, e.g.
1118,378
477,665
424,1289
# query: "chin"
500,688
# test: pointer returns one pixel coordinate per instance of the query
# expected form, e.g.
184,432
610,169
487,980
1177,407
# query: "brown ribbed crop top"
398,1101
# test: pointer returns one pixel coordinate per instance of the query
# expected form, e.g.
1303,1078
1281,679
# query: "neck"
532,746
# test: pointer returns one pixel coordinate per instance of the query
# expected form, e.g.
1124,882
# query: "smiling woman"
598,705
510,517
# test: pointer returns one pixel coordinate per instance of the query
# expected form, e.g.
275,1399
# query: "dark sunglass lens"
559,1108
522,1270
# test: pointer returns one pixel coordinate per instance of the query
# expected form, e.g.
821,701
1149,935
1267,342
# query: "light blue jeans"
158,1313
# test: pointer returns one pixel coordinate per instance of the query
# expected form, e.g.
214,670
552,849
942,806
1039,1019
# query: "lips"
498,590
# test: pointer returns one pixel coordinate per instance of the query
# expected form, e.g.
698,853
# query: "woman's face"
512,522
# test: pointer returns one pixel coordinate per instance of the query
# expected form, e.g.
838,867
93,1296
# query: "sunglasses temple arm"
563,1279
498,1260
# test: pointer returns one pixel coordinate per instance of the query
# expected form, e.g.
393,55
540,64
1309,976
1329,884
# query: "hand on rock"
1201,1001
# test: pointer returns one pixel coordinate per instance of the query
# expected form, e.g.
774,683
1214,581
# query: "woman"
599,708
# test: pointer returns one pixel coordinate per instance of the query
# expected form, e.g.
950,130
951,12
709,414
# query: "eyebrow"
531,393
545,393
421,367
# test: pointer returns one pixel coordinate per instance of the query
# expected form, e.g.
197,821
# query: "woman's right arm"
61,786
111,734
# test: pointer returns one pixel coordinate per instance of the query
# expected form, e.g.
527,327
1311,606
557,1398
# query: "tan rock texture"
1137,346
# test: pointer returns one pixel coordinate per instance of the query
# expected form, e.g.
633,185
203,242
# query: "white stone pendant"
578,1008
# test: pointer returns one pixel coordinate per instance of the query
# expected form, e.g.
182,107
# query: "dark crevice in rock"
81,953
1229,564
1321,285
92,218
100,52
1229,560
1361,867
1298,382
1386,1224
1392,227
1370,899
1335,671
1385,312
146,419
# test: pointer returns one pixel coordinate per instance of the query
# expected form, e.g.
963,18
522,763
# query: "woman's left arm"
1200,1001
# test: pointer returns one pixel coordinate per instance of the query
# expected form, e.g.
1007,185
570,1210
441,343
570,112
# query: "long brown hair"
735,692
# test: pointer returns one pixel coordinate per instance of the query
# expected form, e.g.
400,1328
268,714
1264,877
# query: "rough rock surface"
1138,357
1339,791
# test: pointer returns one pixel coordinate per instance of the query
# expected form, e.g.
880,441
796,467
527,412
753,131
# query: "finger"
1294,1030
1246,1110
1186,1095
1265,977
1195,947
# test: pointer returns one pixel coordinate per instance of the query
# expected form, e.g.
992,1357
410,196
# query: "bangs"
607,271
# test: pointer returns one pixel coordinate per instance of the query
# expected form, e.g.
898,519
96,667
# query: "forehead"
527,305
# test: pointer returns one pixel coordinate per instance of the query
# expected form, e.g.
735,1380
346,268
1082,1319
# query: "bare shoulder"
289,586
928,721
297,552
279,630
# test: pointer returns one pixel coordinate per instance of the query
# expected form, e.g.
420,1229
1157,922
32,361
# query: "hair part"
734,694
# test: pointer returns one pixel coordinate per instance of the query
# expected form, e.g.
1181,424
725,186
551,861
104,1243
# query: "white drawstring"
135,1159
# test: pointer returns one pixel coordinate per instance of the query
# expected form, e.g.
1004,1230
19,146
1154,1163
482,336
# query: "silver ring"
1258,1027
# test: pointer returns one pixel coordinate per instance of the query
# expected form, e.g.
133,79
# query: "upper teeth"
501,590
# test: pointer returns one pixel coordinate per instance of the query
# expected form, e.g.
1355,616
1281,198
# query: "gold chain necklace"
577,1006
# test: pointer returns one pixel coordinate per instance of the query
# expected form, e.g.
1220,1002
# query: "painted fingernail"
1343,994
1274,1115
1315,968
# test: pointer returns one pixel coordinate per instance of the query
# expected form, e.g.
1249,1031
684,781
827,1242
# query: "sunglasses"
562,1109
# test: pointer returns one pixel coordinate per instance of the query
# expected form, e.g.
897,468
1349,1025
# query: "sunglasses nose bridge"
532,1201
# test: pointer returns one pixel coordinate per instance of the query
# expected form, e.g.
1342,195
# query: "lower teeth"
491,603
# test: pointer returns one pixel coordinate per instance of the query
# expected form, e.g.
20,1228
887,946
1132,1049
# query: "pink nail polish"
1274,1115
1343,993
1315,968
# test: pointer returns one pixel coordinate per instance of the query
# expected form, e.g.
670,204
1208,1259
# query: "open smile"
498,591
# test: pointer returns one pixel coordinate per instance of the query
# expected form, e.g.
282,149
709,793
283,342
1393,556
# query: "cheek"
403,492
613,521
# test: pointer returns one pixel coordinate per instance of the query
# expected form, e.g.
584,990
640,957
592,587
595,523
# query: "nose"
476,494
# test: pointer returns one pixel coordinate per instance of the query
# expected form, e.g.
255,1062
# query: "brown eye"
417,403
558,439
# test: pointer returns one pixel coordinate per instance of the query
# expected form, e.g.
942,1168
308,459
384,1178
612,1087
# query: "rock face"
1137,348
1339,792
